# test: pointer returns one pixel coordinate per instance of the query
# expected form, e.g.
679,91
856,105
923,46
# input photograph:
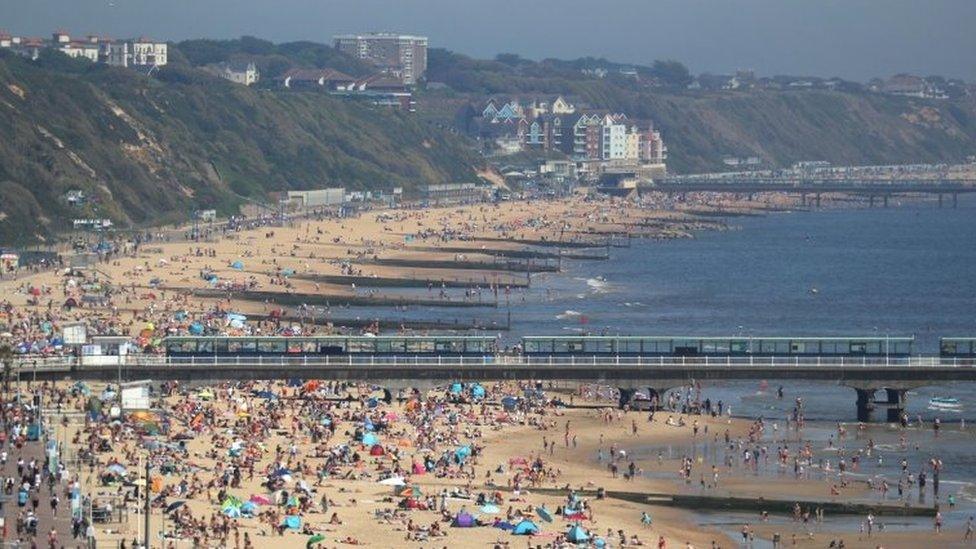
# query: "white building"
146,53
403,55
614,142
135,53
238,73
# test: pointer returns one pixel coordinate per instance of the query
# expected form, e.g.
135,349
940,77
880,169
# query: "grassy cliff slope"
149,149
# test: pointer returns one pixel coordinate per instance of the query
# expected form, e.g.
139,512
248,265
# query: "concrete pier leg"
865,404
885,201
818,200
626,396
955,200
940,200
871,201
803,199
896,404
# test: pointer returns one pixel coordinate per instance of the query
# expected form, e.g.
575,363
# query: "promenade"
38,519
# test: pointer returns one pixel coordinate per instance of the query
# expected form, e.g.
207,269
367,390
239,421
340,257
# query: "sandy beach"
302,451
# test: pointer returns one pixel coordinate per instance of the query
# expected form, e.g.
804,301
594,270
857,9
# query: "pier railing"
28,364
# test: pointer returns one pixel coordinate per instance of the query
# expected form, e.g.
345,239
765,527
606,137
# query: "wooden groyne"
518,254
296,299
392,324
756,504
723,213
393,282
509,266
544,243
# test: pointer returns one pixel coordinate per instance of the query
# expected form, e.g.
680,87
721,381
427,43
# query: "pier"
655,375
812,188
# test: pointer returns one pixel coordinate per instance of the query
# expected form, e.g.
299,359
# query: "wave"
597,285
568,313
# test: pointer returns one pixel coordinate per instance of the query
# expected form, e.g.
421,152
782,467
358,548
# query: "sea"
905,270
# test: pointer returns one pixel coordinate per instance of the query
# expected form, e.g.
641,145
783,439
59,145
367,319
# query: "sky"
853,39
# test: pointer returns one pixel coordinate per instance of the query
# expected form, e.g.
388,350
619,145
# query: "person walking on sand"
968,536
938,522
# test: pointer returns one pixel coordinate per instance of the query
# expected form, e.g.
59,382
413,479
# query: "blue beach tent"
525,528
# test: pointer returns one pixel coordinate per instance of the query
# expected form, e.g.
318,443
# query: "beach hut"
463,519
576,534
525,528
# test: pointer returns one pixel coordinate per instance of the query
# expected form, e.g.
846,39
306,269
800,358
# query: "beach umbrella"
411,492
504,525
370,439
393,481
117,468
577,534
477,391
509,403
248,508
526,528
456,388
462,453
317,538
174,506
238,265
544,513
490,509
293,522
195,329
231,512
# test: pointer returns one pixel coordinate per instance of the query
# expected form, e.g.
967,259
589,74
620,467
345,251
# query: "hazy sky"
855,39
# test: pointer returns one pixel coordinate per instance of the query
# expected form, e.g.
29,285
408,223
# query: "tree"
510,59
672,74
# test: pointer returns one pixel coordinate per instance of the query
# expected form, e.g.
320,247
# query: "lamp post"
147,501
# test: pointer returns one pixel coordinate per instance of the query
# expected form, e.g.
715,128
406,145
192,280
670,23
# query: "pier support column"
803,199
626,396
870,201
818,200
885,201
865,404
955,200
896,404
940,200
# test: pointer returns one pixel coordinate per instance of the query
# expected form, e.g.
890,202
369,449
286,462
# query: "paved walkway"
39,499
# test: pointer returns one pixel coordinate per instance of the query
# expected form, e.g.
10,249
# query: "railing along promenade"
67,363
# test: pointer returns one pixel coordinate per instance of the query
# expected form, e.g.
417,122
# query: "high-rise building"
404,56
